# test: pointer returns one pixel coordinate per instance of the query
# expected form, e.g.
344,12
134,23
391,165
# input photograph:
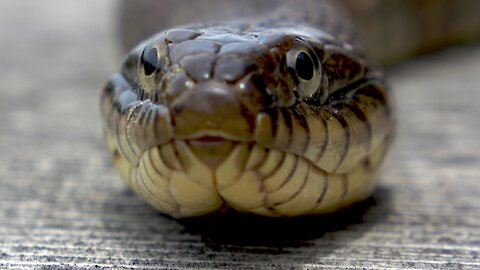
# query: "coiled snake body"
278,116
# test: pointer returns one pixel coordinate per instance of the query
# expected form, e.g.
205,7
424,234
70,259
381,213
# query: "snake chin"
197,177
211,150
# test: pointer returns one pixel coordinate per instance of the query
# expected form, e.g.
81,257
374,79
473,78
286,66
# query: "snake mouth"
212,140
207,139
211,137
210,148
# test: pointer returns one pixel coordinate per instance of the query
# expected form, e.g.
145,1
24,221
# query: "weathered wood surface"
63,206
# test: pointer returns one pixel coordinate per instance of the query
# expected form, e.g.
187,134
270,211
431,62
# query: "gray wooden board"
63,206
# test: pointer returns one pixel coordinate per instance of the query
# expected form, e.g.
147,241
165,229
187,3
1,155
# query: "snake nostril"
254,93
177,109
258,82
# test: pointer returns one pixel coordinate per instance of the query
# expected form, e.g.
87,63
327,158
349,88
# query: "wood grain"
63,206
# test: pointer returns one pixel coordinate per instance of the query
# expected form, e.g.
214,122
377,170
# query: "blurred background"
62,204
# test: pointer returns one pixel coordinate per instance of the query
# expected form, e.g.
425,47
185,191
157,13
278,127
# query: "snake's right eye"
149,61
152,66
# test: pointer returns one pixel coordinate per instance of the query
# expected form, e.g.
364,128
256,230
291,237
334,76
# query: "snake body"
280,115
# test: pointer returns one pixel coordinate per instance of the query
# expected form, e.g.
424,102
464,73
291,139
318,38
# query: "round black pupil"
304,66
150,60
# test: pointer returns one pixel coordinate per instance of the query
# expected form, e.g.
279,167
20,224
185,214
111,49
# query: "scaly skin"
279,116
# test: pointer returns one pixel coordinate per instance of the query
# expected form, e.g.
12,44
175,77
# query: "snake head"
215,82
199,117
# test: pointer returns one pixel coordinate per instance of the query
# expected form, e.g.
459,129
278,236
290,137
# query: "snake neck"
390,31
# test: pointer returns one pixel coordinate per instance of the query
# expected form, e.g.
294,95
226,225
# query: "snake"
278,111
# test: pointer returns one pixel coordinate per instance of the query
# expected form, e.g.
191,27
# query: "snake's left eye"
304,66
305,70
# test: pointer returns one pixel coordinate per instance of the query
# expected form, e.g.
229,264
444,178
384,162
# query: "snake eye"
152,66
305,70
304,66
150,61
